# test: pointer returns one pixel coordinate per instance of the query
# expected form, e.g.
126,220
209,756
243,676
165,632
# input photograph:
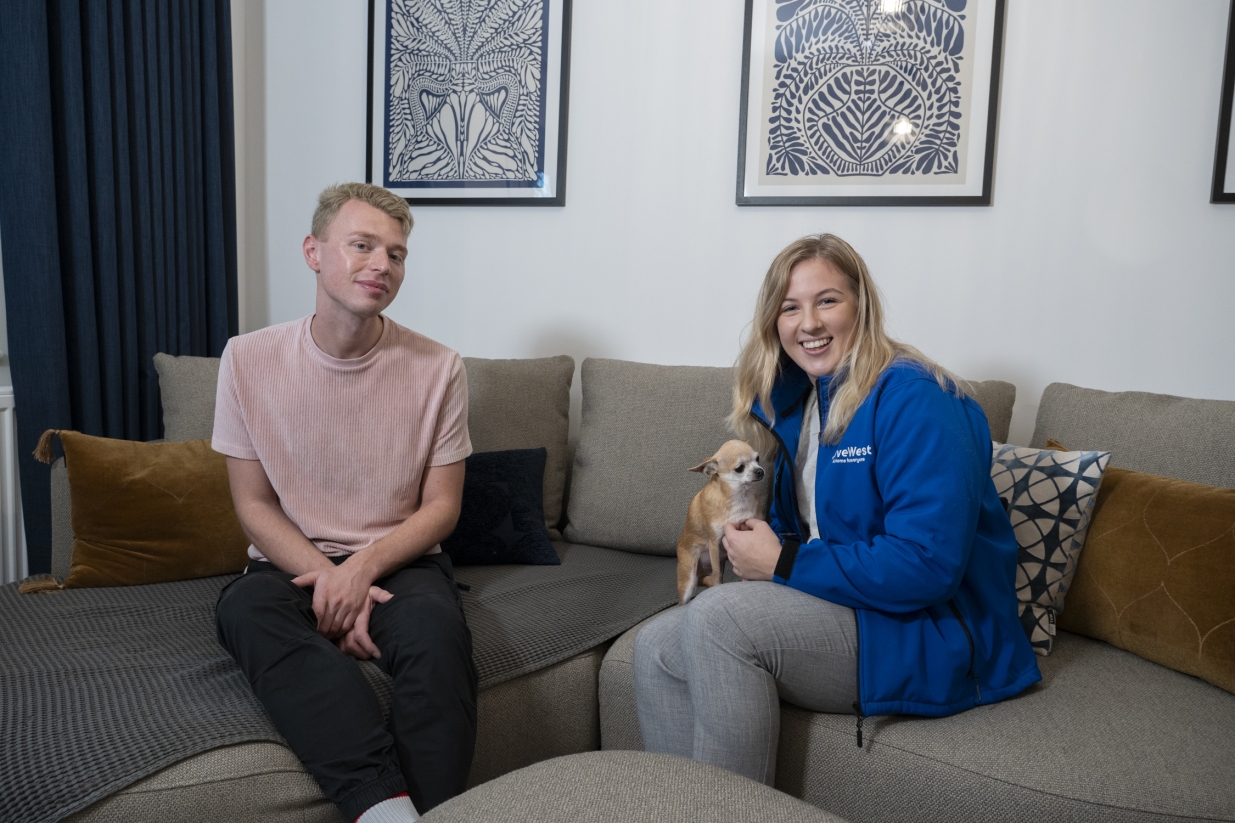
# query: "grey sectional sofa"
1105,736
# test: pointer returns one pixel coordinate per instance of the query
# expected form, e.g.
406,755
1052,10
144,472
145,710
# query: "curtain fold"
117,213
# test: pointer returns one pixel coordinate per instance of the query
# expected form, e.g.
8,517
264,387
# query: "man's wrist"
367,564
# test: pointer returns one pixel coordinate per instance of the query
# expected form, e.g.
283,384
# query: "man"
345,436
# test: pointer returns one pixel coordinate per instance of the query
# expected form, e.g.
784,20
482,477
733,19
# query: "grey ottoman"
607,786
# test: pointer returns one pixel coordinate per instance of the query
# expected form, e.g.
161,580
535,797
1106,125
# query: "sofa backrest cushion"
524,404
187,387
643,428
1155,433
996,398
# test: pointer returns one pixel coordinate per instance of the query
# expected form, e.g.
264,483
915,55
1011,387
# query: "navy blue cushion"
503,514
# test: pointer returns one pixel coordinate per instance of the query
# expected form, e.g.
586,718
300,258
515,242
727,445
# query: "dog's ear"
707,467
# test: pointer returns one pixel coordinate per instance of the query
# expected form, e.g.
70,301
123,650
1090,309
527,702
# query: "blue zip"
857,704
972,651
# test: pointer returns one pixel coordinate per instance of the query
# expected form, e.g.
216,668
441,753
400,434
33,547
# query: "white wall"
1101,263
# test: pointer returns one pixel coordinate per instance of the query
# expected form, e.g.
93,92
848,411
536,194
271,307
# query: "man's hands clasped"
343,600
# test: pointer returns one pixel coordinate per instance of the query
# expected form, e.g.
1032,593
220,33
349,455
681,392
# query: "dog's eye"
740,468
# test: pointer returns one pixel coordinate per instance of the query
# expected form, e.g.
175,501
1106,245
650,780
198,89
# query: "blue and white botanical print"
868,88
466,92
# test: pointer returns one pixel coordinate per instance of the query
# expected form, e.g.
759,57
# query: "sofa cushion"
1049,495
147,512
599,787
502,519
245,782
1155,433
548,713
524,618
1158,574
524,404
643,428
996,398
131,678
187,387
619,717
148,656
1106,736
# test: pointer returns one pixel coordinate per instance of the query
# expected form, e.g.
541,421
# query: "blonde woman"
885,572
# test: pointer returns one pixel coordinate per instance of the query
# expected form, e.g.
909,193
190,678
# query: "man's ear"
310,247
708,467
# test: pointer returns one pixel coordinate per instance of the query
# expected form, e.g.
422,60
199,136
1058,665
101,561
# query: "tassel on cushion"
40,583
43,452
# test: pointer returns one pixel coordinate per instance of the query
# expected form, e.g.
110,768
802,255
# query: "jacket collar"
789,390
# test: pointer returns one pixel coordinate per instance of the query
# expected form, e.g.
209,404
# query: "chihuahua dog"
731,495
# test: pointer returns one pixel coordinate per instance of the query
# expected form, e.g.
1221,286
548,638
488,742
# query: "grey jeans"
709,676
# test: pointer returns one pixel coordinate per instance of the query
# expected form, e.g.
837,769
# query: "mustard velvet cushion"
1157,576
148,512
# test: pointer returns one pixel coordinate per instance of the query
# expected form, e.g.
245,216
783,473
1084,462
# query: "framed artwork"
468,101
869,102
1224,156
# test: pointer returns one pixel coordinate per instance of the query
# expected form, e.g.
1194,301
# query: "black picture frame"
1223,188
553,126
749,194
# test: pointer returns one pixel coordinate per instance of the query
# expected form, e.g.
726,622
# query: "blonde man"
345,435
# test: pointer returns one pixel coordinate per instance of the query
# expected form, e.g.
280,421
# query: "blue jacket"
913,537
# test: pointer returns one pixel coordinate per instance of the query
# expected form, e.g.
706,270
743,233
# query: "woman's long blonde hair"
872,351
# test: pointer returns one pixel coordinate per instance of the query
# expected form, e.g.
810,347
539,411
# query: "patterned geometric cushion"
1049,496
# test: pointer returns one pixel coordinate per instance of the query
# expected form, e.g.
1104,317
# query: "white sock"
397,809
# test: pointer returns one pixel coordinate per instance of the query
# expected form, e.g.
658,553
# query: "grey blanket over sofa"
102,687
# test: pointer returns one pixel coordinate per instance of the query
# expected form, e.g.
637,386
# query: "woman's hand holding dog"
753,549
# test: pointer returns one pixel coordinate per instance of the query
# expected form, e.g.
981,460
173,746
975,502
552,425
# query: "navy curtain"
117,213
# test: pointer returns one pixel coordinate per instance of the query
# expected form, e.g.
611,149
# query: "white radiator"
12,530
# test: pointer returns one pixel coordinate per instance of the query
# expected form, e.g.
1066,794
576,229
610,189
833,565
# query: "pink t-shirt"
345,443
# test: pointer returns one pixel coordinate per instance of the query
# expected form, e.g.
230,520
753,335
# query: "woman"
887,564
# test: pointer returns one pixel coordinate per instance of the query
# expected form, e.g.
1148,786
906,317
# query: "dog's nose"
758,472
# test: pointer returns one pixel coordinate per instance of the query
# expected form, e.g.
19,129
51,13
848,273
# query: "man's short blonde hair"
333,198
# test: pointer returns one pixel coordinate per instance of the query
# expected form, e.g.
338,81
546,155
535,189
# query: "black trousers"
321,703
